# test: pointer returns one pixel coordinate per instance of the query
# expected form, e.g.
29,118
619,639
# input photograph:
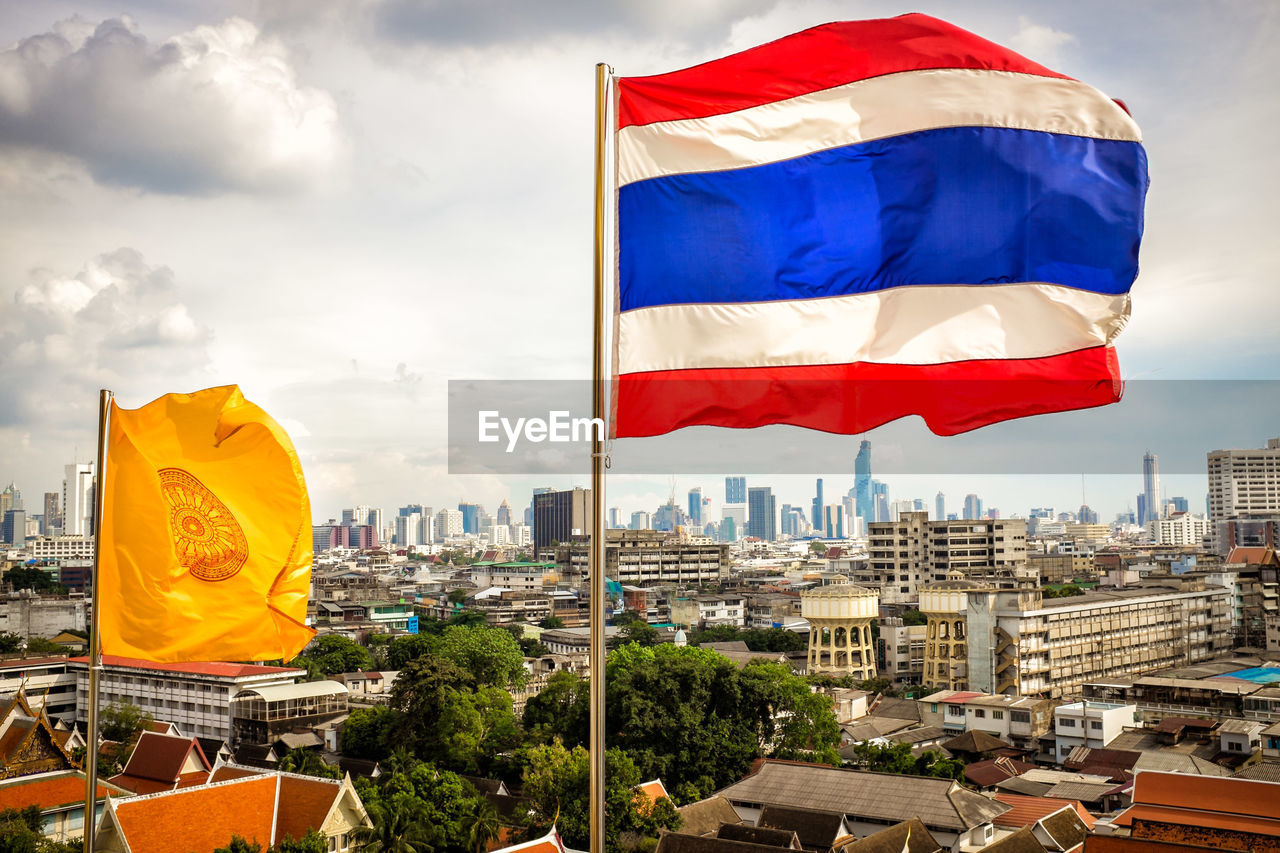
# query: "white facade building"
448,523
77,499
1091,724
1180,528
61,547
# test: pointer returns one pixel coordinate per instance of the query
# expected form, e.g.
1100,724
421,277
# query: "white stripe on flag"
920,324
875,108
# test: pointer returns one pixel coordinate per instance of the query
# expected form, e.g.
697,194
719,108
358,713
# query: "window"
1020,716
933,709
1234,746
1096,725
997,715
978,712
1067,723
954,710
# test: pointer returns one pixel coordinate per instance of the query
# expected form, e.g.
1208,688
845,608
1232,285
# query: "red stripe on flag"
850,398
810,61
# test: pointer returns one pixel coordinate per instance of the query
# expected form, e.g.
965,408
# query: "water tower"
842,613
945,605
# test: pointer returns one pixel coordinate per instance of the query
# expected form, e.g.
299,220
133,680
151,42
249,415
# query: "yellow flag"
206,533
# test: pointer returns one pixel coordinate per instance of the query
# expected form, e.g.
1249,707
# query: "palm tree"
482,825
395,829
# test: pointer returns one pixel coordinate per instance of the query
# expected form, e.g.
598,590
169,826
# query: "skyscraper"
77,499
52,514
834,522
735,490
972,507
880,501
695,507
762,513
1151,487
559,515
471,517
864,501
815,517
10,498
940,507
504,516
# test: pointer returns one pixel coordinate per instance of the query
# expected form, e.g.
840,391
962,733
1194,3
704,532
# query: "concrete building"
47,682
1091,724
558,516
1180,528
1060,568
61,547
945,607
30,615
644,557
913,550
706,611
195,696
840,616
1022,644
1020,721
900,650
77,499
515,576
1244,486
762,513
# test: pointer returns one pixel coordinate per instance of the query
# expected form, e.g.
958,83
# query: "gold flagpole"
595,551
95,649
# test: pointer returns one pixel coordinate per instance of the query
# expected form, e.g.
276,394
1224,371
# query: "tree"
239,845
562,710
307,763
637,631
367,733
897,758
10,642
333,654
312,842
122,721
475,728
33,578
421,695
817,548
396,828
481,825
406,647
791,721
44,646
491,655
556,780
913,617
551,622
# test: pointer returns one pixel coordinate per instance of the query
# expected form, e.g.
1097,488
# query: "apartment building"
646,557
1244,486
772,610
505,606
912,551
1020,721
706,611
900,650
1015,642
197,697
1091,724
515,576
1060,568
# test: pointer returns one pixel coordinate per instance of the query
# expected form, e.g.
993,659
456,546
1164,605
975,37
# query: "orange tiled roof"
160,757
306,803
1208,793
654,790
47,792
243,807
1027,810
227,772
1191,817
218,668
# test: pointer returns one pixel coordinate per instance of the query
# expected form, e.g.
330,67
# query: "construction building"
646,557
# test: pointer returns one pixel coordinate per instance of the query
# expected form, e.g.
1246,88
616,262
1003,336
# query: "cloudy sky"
343,204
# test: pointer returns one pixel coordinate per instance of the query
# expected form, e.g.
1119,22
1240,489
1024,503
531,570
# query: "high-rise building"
834,522
1244,496
471,516
409,530
77,500
816,515
972,507
1179,504
52,514
641,521
448,523
559,515
864,502
13,527
695,507
762,513
615,518
733,522
880,499
504,516
792,520
940,507
1087,515
10,498
1142,508
1151,487
735,490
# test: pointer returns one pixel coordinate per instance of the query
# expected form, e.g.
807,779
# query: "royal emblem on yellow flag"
206,533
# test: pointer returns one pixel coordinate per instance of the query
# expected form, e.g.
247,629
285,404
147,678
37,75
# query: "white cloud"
212,109
1039,42
118,323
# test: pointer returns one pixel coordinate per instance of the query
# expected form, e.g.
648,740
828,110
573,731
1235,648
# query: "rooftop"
220,669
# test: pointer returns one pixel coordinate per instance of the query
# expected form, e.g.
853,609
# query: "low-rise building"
900,650
705,611
28,614
644,557
511,606
1020,721
1091,724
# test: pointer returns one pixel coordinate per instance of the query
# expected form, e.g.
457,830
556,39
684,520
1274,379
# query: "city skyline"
338,282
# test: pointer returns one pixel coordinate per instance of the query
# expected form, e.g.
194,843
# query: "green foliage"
688,717
635,631
33,578
406,647
562,710
757,639
312,842
897,758
467,619
491,655
551,622
1067,591
556,780
122,721
239,845
368,733
44,646
418,807
913,617
308,763
818,548
9,641
333,654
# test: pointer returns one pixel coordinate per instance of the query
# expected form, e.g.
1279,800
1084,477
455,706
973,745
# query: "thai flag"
868,220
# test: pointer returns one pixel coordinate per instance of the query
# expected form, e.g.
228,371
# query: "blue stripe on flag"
967,205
